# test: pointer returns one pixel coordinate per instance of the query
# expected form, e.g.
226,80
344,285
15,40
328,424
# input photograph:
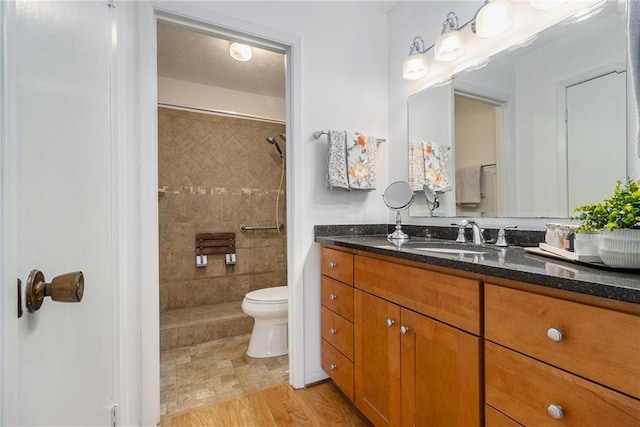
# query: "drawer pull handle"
390,323
333,331
556,411
333,366
554,334
333,296
404,330
332,264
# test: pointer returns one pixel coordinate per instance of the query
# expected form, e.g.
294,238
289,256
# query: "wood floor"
280,405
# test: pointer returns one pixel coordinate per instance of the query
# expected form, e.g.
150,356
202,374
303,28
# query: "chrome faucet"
478,237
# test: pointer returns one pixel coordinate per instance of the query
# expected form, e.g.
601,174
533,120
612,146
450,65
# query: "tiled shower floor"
204,373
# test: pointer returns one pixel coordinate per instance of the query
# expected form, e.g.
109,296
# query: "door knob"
67,287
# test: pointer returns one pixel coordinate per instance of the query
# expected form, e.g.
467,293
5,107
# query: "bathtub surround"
214,174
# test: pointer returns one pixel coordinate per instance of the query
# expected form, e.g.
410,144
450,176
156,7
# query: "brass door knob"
67,287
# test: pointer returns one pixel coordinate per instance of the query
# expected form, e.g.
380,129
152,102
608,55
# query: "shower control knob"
333,296
332,264
333,331
333,366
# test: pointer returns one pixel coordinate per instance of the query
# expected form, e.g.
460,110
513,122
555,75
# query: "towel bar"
317,134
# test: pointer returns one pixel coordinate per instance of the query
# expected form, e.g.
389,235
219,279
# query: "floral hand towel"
362,159
437,166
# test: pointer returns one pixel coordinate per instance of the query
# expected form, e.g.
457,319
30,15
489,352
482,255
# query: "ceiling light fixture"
240,52
415,65
450,43
494,18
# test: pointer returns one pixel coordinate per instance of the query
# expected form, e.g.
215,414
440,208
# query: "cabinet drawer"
337,264
338,331
337,297
494,418
600,344
450,299
338,367
524,388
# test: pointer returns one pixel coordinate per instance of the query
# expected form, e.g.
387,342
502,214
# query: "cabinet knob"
333,296
404,330
556,411
333,331
554,334
390,323
332,264
333,366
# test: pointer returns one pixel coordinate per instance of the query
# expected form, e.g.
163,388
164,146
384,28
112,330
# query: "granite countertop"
509,263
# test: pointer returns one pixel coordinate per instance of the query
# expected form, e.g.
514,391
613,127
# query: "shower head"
272,141
283,137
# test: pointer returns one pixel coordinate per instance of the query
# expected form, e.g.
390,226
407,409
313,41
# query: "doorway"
477,135
221,169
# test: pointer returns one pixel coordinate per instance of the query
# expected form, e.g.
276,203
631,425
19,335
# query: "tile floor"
204,373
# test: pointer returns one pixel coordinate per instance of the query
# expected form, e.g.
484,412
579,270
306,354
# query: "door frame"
206,20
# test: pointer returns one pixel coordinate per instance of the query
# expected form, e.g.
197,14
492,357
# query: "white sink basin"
451,251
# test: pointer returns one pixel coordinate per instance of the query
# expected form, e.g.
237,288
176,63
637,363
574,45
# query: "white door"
596,138
58,361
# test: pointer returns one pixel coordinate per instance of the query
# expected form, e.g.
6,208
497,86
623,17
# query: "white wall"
188,94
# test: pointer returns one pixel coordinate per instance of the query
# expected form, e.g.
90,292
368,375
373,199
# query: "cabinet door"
440,374
377,356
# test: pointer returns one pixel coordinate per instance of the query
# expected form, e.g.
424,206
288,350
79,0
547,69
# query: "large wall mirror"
537,131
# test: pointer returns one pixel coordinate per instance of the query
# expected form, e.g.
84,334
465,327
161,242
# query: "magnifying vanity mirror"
398,197
540,129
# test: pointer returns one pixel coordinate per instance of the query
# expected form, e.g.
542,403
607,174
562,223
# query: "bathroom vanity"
478,335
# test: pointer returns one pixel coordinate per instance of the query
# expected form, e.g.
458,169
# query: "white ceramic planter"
588,244
620,248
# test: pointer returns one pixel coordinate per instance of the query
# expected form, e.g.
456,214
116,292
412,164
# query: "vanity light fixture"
240,52
450,43
494,18
415,65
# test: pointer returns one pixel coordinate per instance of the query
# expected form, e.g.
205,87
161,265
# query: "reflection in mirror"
398,196
431,197
536,132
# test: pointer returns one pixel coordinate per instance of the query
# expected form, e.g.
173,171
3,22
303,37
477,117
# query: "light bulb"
494,18
240,52
414,66
449,46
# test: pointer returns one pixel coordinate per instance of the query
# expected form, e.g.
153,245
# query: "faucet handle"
502,240
462,225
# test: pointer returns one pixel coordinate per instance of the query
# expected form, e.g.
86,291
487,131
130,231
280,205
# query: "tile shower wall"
214,174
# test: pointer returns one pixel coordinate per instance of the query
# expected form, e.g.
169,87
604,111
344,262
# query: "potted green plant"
619,219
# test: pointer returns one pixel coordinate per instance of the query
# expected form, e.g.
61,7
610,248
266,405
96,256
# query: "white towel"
468,185
337,161
416,166
362,160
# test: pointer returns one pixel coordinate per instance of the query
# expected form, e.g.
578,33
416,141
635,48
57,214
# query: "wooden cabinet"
418,346
411,369
552,360
337,318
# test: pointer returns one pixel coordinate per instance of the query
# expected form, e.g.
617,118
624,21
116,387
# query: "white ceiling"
200,58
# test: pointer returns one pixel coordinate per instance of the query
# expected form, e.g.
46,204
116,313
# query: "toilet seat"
274,295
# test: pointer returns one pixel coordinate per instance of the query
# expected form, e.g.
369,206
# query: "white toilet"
269,308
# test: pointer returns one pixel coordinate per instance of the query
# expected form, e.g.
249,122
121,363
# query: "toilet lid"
275,294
